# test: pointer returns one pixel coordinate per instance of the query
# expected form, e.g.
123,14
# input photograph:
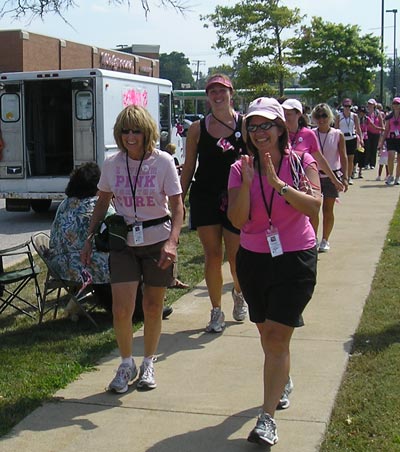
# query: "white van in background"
53,121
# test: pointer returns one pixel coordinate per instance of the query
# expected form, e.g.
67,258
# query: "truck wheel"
40,205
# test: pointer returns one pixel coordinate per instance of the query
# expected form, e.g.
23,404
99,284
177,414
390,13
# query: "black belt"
148,223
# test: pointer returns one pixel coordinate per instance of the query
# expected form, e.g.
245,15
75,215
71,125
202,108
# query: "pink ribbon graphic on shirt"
225,144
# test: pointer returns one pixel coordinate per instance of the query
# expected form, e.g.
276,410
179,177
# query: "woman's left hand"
339,185
167,255
272,177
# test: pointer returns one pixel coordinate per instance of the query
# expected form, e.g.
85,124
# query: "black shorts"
277,288
208,209
328,189
351,146
393,144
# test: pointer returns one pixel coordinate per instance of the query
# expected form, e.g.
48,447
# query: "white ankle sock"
128,361
148,360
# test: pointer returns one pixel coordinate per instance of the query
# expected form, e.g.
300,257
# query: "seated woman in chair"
69,231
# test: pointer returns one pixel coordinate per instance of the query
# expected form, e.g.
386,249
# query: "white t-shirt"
329,144
156,181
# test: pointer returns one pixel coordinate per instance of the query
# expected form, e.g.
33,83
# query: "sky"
103,25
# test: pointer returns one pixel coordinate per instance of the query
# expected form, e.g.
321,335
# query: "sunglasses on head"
264,126
321,115
134,131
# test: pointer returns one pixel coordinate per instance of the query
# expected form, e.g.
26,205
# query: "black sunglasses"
322,115
264,126
134,131
346,106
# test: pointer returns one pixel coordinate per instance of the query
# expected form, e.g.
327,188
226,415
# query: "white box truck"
53,121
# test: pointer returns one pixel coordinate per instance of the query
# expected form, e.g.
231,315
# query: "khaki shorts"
134,263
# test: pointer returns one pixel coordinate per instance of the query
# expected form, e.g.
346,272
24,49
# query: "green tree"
39,8
393,78
174,66
337,60
251,32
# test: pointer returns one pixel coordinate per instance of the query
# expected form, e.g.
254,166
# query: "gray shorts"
134,263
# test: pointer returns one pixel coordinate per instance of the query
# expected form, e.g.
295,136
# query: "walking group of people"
371,133
254,185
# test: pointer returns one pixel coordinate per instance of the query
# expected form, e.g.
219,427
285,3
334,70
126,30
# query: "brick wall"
24,51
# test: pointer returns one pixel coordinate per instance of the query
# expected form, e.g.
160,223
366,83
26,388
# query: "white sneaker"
265,432
217,321
324,246
146,376
396,181
125,374
239,306
284,401
350,181
389,180
378,178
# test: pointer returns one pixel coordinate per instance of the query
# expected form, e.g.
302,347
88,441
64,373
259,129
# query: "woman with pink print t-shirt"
143,183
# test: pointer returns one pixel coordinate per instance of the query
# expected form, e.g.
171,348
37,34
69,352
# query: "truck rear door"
83,121
12,164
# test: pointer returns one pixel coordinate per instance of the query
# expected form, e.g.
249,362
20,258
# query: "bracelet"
89,238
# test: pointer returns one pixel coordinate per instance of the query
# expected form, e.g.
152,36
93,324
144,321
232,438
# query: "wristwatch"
283,190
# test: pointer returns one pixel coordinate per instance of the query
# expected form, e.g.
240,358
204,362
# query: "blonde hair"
323,108
170,148
136,118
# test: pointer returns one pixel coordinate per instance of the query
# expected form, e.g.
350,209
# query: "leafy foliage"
337,60
175,67
40,8
251,32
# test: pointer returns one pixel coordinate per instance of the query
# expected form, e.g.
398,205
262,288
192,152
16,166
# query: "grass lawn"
36,360
366,416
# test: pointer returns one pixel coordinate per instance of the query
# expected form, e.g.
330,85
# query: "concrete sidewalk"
210,386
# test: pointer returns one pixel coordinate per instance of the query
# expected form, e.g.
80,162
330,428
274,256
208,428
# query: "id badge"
274,242
137,230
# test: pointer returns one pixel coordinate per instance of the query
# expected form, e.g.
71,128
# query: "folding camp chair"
76,291
15,276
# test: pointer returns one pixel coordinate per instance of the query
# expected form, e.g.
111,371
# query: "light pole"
394,11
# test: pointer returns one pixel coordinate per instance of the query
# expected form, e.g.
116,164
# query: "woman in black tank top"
212,145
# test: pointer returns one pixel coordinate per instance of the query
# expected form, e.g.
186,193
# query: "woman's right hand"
247,169
86,253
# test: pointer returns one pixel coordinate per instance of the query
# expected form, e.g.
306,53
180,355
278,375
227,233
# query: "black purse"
111,233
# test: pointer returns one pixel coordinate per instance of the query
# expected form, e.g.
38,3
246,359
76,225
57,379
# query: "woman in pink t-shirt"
272,194
303,139
392,137
142,181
